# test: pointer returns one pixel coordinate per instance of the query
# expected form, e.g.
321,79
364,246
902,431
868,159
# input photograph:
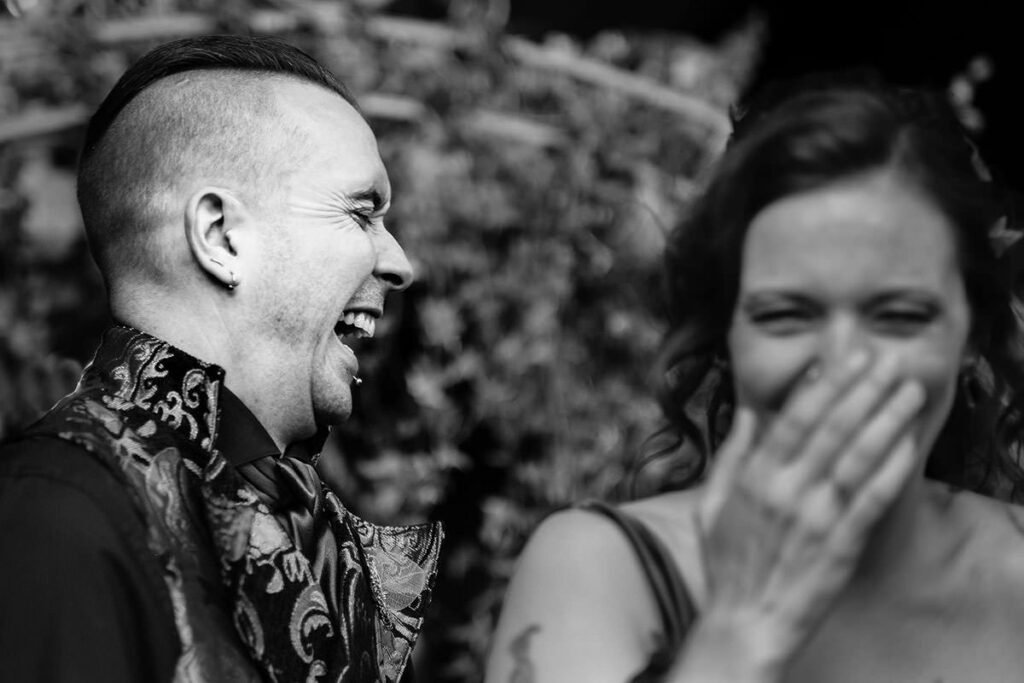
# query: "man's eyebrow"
372,195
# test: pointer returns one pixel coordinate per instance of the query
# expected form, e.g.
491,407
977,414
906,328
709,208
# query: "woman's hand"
788,512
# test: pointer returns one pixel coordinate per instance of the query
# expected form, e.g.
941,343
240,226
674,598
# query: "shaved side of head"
193,113
186,131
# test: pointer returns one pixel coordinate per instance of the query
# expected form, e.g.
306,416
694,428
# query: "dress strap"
671,594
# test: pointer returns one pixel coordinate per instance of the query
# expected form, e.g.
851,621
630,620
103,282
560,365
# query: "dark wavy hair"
802,136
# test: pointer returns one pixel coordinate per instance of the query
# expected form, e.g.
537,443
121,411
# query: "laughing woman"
848,514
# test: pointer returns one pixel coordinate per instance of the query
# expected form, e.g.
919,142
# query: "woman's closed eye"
783,319
900,322
904,320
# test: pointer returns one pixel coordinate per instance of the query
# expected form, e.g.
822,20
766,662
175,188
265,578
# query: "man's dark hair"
124,164
239,53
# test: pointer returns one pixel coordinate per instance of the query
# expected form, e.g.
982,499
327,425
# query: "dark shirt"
81,597
240,436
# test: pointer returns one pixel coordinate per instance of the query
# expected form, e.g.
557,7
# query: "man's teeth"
363,323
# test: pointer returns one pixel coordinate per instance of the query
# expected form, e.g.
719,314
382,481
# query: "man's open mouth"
355,325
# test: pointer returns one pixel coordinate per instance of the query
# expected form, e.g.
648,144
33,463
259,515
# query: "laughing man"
165,521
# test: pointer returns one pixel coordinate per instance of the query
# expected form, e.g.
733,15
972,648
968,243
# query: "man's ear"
211,216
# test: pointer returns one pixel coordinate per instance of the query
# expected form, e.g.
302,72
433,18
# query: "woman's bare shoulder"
997,527
979,541
673,519
573,555
665,506
577,606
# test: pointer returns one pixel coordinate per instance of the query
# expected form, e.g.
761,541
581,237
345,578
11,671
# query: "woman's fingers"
840,509
870,501
786,516
873,444
844,421
808,406
738,446
730,461
829,498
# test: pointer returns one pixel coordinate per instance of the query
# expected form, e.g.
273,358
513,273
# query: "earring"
970,385
234,281
969,364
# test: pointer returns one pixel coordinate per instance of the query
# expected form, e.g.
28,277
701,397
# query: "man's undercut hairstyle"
197,108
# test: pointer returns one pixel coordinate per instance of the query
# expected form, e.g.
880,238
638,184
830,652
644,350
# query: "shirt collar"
187,394
240,437
137,369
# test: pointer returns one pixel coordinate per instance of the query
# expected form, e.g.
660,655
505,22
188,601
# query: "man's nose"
392,265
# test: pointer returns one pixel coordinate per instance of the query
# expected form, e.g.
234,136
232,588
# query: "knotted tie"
291,487
318,592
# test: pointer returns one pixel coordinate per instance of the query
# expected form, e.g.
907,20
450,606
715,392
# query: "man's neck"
267,391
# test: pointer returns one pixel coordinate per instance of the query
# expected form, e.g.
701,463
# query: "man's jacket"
248,602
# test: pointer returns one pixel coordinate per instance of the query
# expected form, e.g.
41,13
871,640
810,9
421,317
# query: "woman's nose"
840,340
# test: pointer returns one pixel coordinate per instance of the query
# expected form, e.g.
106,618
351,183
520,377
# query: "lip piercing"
357,381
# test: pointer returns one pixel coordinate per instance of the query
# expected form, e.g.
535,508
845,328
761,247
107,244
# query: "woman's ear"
969,361
209,217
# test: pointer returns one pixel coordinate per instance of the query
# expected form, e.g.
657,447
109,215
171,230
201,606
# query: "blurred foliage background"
533,183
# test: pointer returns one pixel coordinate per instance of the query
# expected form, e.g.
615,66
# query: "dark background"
914,42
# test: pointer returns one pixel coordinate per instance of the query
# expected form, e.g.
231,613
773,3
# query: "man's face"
326,261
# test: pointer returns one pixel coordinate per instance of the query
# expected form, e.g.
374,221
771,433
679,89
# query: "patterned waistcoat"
247,603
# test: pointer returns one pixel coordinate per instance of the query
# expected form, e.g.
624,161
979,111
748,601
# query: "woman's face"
867,262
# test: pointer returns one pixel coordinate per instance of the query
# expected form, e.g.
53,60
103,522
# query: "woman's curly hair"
803,136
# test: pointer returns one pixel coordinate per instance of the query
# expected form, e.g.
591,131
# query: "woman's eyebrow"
916,294
772,293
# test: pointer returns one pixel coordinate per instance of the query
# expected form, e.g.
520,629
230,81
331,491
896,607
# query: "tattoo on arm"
524,671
